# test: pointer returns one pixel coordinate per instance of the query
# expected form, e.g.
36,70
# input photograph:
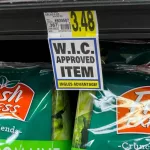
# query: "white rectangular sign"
75,58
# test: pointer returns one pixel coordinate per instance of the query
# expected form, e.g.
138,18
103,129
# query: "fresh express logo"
15,99
133,111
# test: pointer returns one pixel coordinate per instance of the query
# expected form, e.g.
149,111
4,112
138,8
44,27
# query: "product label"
77,149
35,145
134,146
15,99
74,47
133,112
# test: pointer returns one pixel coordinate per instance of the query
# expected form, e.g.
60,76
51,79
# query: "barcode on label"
65,27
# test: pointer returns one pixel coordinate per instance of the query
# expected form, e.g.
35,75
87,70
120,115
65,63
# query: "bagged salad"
33,115
118,116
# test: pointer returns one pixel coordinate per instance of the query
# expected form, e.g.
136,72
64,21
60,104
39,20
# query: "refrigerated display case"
117,19
23,32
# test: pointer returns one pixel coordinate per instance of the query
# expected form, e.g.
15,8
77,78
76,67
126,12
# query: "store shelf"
117,20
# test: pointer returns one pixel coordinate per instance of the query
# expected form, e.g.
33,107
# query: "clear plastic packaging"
118,116
33,115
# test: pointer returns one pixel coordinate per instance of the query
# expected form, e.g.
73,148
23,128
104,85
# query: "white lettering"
9,108
12,130
17,93
7,129
125,145
4,94
2,128
135,146
144,109
15,109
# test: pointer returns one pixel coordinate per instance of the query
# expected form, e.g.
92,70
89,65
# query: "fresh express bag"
33,116
118,116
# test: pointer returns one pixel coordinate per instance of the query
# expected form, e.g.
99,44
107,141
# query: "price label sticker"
74,47
72,24
83,23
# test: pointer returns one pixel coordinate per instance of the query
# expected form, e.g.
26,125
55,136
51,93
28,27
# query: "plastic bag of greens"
33,116
118,116
122,53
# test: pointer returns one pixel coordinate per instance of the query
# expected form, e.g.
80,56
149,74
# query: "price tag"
83,23
74,47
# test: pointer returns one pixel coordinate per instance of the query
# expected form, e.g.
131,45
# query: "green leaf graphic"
3,80
12,83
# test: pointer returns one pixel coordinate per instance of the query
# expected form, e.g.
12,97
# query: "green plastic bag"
33,115
118,116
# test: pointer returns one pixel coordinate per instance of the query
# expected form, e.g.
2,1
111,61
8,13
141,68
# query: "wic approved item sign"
74,47
75,62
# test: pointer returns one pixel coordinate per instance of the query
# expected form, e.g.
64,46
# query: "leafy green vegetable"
61,116
83,117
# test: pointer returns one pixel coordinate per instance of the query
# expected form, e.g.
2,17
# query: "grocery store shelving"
117,19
